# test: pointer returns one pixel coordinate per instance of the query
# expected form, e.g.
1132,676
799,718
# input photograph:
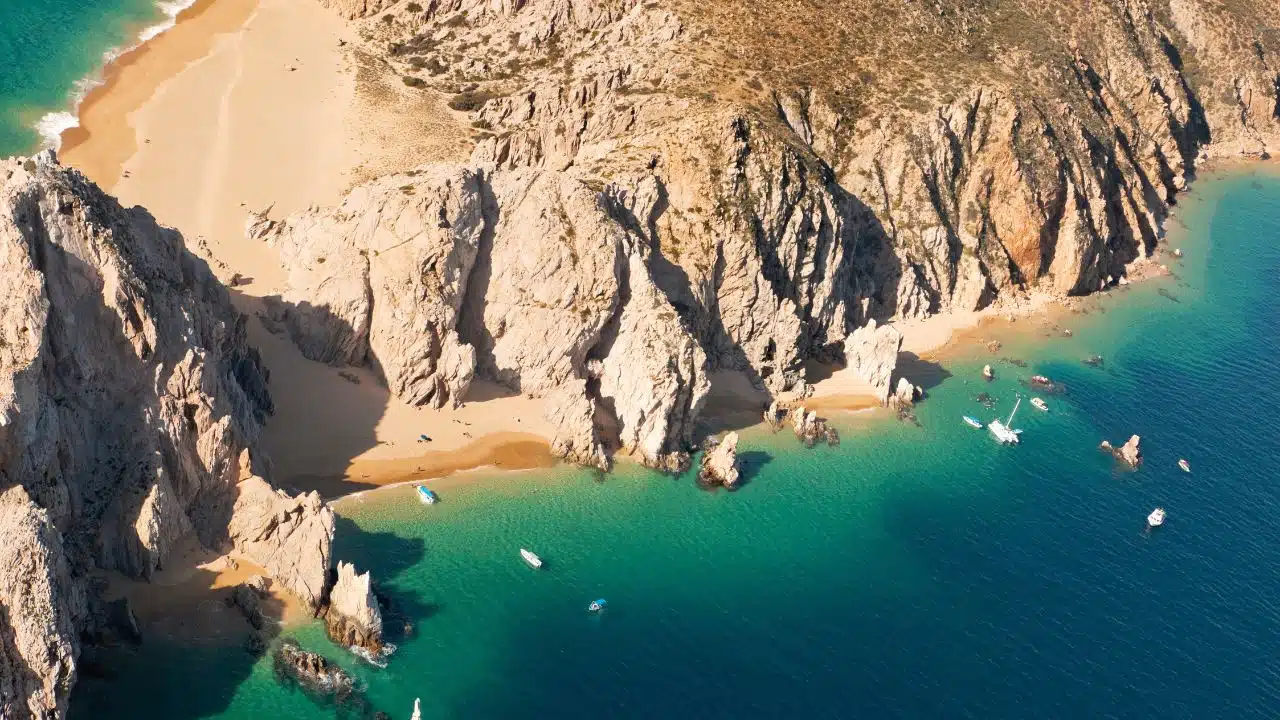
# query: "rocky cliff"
131,405
661,190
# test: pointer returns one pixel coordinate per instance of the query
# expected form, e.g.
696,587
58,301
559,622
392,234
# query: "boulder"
720,463
811,429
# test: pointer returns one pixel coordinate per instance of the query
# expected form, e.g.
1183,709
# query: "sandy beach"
264,105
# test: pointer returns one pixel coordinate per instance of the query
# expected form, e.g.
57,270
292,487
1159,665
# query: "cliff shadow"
926,374
750,463
198,646
387,556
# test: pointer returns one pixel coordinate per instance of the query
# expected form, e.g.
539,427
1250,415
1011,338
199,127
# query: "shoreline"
217,142
53,124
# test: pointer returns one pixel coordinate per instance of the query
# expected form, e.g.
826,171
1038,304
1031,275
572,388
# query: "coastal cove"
917,570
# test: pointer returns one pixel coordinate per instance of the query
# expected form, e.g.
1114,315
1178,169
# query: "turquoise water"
49,47
911,572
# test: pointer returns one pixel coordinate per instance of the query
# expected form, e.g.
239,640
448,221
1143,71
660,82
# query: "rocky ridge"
647,204
132,405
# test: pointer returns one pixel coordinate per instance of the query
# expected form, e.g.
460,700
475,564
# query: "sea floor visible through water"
917,570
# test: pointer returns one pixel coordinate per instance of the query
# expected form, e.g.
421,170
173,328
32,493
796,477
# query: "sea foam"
53,124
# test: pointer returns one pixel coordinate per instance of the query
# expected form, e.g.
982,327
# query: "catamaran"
530,558
972,422
1004,431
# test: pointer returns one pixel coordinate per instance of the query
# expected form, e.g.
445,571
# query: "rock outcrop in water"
353,618
720,463
40,608
132,406
1130,453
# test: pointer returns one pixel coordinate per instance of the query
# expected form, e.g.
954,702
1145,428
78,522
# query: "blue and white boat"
426,495
597,605
972,422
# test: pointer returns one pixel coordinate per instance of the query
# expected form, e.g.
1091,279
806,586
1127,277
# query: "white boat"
987,373
1156,518
530,558
972,422
1039,404
1004,431
426,495
1186,466
597,605
417,709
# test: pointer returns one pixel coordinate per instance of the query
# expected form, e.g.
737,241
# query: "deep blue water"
911,572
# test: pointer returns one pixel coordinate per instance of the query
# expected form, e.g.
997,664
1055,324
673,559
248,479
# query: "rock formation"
353,618
289,537
132,406
312,670
629,221
905,395
720,463
40,608
1130,453
775,416
871,352
811,429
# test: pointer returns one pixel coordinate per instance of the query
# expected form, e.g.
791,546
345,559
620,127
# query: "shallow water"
51,51
911,572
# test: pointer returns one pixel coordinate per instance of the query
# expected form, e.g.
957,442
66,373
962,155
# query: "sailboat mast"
1009,422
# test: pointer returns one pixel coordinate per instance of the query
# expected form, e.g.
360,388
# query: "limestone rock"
871,352
811,429
353,618
775,415
1130,453
572,412
720,463
289,537
905,395
40,607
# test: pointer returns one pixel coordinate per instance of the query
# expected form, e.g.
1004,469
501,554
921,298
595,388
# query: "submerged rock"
720,463
312,670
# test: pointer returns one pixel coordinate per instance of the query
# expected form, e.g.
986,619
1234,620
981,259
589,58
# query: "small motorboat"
972,422
1186,466
1039,404
988,373
597,605
529,557
1156,518
426,495
417,709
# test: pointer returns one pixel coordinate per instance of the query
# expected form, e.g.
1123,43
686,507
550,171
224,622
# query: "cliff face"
660,190
129,405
